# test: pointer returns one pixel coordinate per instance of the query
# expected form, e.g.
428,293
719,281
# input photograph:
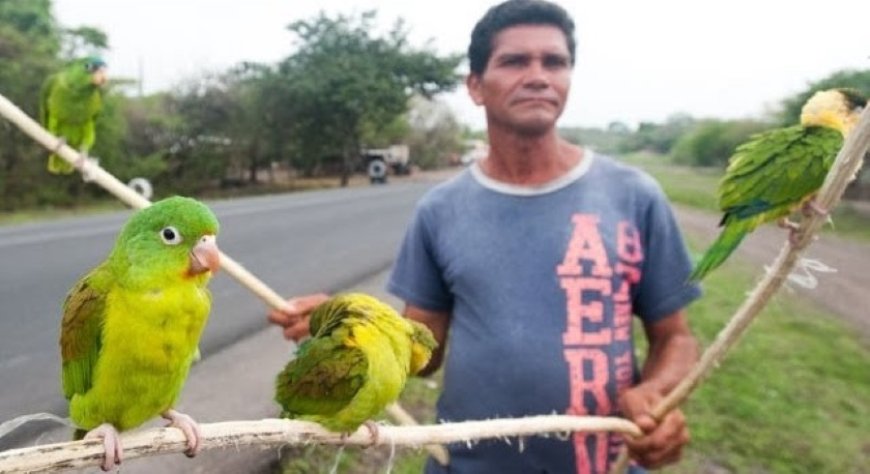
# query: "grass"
793,396
696,187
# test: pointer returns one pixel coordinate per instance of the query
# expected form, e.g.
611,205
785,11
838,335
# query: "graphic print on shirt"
597,337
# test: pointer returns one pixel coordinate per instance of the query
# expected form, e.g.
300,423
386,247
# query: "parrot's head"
834,108
423,343
89,71
172,239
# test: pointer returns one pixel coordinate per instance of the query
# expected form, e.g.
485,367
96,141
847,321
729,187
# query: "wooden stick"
277,432
843,171
95,173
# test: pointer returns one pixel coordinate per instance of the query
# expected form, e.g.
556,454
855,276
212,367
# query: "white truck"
378,161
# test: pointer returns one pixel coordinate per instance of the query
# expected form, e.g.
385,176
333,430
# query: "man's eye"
555,62
514,61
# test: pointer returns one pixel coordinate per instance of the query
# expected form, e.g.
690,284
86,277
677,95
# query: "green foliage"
658,138
792,396
712,142
344,83
435,137
29,43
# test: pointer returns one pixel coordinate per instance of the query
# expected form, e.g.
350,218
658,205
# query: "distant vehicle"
378,161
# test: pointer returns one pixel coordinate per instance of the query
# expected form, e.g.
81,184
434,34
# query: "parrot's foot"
189,427
792,227
785,223
111,444
811,207
374,431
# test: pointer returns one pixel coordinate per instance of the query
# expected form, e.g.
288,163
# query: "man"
534,260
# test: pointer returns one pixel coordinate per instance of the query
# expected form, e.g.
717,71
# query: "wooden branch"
278,432
843,171
133,199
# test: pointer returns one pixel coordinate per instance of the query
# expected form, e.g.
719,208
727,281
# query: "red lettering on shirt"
591,310
591,382
585,244
628,246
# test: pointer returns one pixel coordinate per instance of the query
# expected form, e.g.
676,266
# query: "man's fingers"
296,331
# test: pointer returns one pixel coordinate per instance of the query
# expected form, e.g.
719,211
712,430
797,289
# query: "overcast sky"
637,60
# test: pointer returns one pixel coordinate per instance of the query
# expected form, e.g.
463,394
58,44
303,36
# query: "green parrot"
71,100
356,363
780,171
131,325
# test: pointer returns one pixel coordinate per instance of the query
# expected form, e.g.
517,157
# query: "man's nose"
537,76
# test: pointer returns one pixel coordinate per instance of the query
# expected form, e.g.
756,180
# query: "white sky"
637,60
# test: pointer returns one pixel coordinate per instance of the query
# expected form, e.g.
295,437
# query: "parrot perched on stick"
71,100
356,363
131,325
780,171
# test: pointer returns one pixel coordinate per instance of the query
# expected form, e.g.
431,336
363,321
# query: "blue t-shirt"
541,284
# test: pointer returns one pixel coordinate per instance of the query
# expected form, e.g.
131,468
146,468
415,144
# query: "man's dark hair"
514,13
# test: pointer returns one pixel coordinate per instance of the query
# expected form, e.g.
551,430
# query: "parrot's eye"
170,236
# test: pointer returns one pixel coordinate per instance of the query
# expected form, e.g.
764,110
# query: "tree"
712,142
344,83
29,43
435,139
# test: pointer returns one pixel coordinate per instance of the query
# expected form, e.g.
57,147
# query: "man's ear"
473,83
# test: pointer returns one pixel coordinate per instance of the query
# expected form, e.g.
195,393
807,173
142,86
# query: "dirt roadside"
845,292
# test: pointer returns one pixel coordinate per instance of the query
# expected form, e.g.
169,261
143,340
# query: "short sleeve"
664,287
417,276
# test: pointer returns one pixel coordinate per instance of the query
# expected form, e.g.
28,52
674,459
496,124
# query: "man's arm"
672,352
438,322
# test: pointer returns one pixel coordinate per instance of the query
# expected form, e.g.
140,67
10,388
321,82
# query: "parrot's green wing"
44,106
322,380
776,171
83,316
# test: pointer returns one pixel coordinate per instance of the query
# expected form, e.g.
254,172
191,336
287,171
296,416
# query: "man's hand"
293,317
662,442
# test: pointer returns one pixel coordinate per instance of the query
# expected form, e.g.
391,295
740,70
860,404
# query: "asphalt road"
295,243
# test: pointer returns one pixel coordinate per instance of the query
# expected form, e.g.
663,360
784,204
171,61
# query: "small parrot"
780,171
131,326
71,100
356,363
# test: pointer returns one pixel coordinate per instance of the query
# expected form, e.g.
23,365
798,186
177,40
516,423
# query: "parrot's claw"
811,207
189,427
785,223
373,429
111,444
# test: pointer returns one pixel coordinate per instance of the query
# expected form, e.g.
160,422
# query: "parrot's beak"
98,77
205,256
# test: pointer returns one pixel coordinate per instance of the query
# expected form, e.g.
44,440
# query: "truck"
378,161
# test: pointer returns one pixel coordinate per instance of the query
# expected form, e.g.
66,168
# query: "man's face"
526,81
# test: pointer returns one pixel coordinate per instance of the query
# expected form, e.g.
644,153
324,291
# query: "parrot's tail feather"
58,165
728,240
9,426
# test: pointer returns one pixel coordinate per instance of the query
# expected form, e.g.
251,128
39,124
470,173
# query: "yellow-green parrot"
356,363
131,325
71,100
780,171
